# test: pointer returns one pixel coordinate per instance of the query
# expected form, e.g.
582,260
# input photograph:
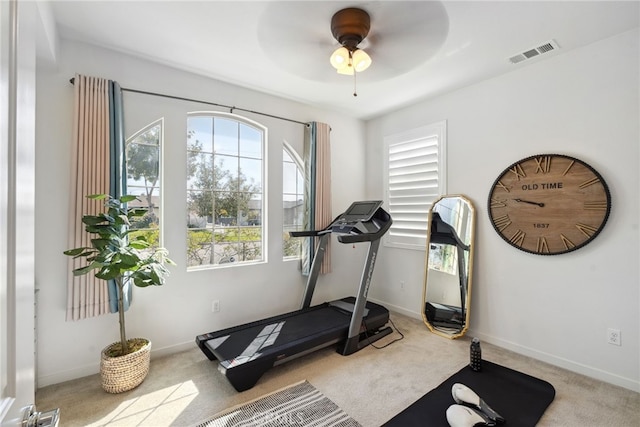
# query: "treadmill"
245,352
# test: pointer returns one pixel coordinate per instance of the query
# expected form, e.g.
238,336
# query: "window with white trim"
292,201
143,180
415,171
225,190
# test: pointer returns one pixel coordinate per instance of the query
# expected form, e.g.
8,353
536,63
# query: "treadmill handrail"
354,238
309,233
368,237
381,218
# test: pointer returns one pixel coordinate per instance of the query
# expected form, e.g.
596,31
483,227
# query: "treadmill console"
360,211
354,219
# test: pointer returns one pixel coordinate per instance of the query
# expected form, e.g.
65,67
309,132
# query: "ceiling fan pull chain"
354,83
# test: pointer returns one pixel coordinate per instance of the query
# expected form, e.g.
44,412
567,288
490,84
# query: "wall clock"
549,204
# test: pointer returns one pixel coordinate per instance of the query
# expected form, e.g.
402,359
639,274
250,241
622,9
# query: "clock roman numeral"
495,203
502,222
518,238
587,230
518,171
543,164
542,245
501,185
568,167
568,244
589,182
599,206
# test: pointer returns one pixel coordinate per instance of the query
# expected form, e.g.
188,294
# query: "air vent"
549,46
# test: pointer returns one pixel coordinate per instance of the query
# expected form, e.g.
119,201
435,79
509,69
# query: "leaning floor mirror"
446,294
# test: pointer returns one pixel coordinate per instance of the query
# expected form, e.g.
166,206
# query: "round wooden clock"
549,204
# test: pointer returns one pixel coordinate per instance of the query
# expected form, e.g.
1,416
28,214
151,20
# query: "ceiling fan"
349,27
397,36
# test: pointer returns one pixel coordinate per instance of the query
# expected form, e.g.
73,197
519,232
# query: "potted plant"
116,255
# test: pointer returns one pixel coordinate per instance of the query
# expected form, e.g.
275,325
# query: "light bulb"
340,58
347,71
361,60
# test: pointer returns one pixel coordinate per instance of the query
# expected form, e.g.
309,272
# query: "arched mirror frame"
467,302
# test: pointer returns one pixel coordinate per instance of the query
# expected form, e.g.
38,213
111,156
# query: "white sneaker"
465,396
463,416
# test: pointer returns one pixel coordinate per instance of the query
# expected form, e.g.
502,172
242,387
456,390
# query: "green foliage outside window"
224,191
143,180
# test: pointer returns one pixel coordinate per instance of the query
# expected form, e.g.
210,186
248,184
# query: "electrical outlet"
215,306
614,337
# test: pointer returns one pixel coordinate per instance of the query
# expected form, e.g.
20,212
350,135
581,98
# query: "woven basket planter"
126,372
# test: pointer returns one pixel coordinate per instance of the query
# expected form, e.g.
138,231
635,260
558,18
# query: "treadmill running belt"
284,330
521,399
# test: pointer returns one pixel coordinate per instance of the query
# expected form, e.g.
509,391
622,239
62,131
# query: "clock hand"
531,203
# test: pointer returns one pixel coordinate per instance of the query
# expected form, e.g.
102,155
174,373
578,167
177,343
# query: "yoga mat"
520,398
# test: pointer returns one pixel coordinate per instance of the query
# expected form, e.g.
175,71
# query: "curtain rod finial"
72,80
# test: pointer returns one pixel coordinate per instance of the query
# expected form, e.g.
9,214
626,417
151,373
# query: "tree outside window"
143,180
224,190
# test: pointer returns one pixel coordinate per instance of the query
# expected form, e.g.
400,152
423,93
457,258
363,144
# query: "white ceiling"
419,48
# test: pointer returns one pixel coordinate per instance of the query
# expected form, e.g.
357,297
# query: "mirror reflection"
448,266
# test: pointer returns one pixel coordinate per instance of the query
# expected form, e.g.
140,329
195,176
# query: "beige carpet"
371,386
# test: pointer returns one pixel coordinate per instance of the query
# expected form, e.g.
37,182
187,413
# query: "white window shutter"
415,175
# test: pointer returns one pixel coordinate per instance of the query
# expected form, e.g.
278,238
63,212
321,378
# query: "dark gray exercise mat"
520,398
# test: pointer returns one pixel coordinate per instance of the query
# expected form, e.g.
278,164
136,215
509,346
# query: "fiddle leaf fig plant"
116,255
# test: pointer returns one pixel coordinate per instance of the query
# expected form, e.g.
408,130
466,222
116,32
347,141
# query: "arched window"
144,179
225,190
292,201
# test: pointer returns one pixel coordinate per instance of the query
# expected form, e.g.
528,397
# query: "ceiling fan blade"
403,35
297,37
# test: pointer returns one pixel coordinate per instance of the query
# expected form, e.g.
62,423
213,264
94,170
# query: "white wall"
583,103
172,315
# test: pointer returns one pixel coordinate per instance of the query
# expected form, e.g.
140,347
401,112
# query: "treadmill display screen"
361,211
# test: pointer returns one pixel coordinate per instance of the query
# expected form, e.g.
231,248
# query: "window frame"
160,124
297,160
417,237
262,129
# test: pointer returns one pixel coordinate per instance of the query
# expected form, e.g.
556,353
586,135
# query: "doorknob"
33,418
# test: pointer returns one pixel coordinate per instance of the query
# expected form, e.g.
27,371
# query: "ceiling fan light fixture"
361,60
349,27
346,71
340,58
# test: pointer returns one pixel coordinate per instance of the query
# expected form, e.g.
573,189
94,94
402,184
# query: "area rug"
520,398
300,404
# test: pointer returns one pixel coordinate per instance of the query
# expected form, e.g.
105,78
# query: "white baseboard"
398,309
94,368
68,375
567,364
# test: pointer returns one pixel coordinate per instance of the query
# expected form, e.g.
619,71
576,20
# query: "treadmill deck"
262,344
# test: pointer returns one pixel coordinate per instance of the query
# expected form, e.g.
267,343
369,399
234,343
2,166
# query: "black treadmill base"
246,352
352,345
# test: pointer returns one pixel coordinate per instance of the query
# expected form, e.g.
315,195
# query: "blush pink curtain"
323,214
87,296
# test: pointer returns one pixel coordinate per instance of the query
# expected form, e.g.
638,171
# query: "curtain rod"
231,108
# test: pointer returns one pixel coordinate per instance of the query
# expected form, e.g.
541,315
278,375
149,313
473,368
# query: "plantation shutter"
415,178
